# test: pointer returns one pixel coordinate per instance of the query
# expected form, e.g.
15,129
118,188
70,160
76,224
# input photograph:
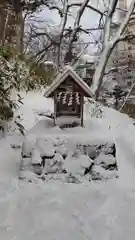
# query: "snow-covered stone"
36,161
72,179
28,145
91,151
60,140
58,159
77,153
99,173
62,150
51,169
109,148
37,168
105,159
77,166
25,163
54,165
35,157
45,147
61,145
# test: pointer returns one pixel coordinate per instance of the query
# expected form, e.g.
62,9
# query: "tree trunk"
18,43
18,32
5,28
63,24
100,69
21,33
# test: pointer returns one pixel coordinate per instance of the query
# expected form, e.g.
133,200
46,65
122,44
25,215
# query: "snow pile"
111,123
54,210
43,142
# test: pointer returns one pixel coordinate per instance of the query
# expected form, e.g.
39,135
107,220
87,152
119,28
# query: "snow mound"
68,211
111,123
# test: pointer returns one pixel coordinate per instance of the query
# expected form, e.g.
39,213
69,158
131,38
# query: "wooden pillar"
82,103
55,102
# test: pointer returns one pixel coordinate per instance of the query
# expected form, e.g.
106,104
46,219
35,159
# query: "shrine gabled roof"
68,71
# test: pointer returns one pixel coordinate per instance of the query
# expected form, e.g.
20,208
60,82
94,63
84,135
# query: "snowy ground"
57,211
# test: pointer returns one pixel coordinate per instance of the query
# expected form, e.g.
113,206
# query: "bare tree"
110,42
64,33
61,42
75,30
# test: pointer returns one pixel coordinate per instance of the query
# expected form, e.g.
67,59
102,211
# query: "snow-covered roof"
68,71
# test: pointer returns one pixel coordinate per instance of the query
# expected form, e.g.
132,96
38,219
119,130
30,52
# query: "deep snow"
57,211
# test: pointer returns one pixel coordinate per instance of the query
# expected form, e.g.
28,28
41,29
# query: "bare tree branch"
54,7
36,34
87,6
76,27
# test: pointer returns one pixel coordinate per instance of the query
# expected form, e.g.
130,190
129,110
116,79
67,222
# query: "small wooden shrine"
68,92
